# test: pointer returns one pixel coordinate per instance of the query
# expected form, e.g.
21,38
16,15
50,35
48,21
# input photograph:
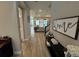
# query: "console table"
6,49
56,50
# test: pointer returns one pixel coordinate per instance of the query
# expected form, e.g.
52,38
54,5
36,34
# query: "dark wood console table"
56,50
6,49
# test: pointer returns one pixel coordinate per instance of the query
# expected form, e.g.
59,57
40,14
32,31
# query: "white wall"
27,22
9,24
61,10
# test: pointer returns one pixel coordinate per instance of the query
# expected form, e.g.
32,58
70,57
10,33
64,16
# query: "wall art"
68,26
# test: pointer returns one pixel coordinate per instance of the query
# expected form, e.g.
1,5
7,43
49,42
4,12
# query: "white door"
20,10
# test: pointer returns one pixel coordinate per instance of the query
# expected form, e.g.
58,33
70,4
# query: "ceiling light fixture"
40,10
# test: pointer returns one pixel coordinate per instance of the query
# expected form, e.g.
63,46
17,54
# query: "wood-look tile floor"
35,47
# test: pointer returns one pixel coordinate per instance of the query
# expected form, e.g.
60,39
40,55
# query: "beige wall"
9,24
64,9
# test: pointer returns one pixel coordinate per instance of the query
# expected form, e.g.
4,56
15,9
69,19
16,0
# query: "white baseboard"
17,53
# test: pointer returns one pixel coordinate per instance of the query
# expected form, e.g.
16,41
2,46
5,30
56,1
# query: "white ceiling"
45,6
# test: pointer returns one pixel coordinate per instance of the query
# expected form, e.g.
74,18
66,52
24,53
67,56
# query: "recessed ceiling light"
40,10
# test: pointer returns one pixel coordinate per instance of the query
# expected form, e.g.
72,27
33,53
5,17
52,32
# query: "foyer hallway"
35,47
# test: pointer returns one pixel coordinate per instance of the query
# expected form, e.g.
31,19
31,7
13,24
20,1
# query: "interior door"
21,24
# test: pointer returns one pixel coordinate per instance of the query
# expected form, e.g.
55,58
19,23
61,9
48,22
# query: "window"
45,23
41,23
37,22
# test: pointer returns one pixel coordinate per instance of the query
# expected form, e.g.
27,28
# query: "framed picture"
68,26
